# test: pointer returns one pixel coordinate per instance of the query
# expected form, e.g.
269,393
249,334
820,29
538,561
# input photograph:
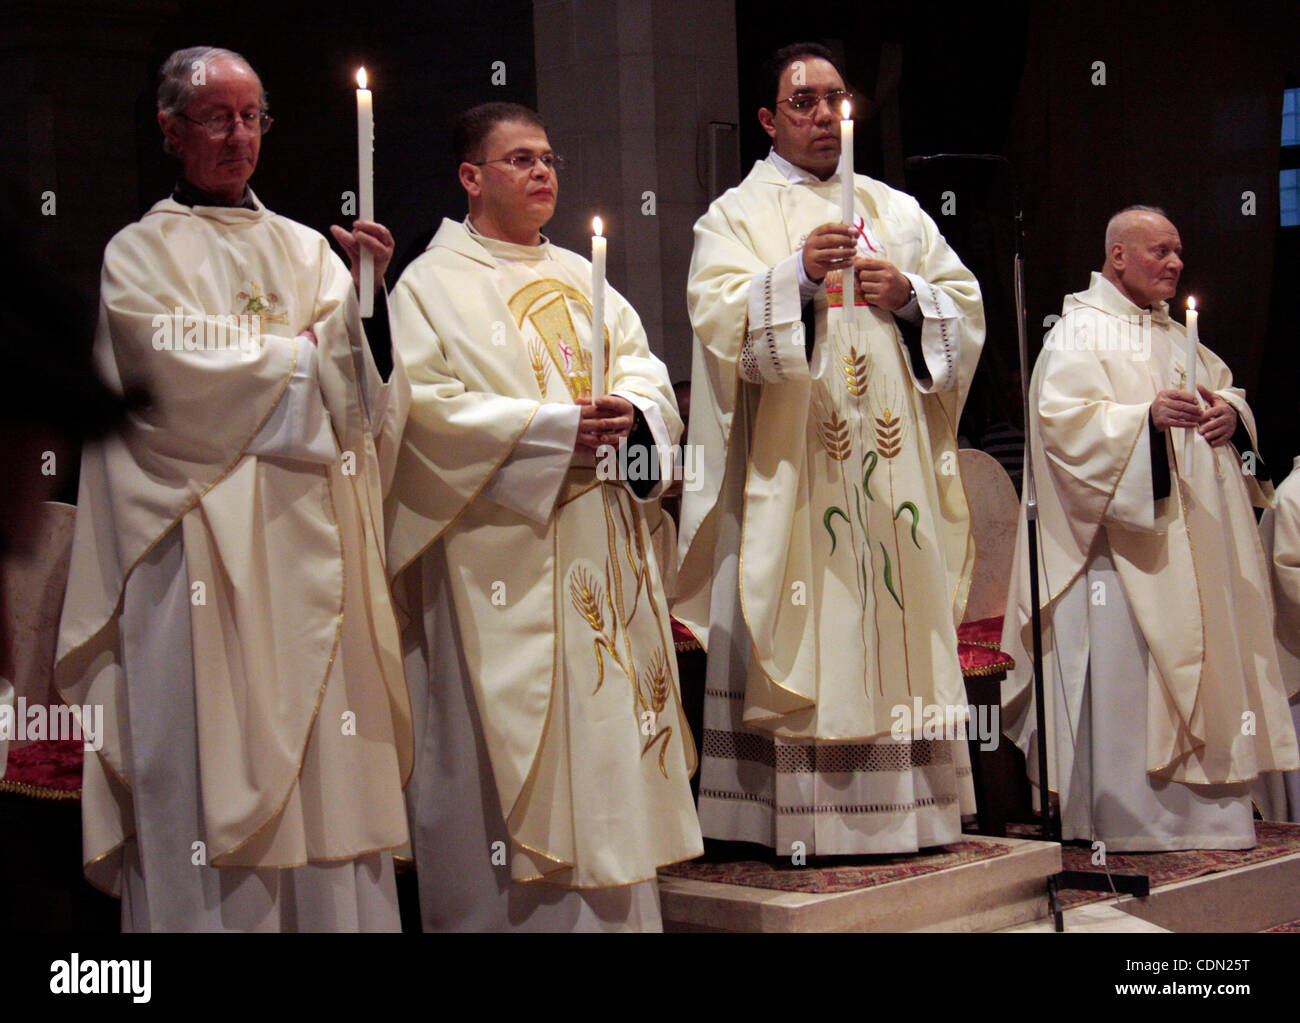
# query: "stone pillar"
628,90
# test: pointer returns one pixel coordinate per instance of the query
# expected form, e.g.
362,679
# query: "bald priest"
1164,697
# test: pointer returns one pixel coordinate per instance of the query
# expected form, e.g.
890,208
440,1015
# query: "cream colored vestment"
272,510
1188,569
826,555
560,626
1278,795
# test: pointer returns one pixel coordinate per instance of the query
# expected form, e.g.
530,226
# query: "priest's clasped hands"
1216,424
605,420
834,247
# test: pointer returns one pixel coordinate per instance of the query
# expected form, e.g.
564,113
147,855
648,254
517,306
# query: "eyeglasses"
524,162
806,102
219,126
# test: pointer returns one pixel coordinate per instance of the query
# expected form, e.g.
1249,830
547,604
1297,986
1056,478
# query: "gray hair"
176,78
1115,223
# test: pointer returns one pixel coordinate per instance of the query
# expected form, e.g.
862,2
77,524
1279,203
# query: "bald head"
1122,224
1143,255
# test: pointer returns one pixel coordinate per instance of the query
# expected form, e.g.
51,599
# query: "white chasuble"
559,625
1180,583
826,550
226,601
1278,795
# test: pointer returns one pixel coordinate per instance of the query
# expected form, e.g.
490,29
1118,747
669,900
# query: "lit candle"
366,186
849,280
597,309
1192,340
846,163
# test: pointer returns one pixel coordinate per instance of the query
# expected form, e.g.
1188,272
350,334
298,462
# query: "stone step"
986,895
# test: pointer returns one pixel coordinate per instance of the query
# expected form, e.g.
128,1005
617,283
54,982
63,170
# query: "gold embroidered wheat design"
889,434
537,357
855,372
587,599
659,683
834,435
585,594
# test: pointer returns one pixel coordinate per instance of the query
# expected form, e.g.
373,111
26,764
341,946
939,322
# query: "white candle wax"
849,283
598,242
1190,360
846,169
366,186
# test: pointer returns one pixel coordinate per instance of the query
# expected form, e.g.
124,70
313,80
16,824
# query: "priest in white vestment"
826,557
1278,795
553,759
1163,695
227,602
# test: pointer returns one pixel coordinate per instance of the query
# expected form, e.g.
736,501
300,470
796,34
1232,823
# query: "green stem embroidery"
826,521
909,506
889,577
866,476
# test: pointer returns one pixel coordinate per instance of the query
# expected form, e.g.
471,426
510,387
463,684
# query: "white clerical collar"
1125,306
797,175
510,251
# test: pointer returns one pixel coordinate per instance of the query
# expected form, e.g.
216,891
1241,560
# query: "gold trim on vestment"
113,850
578,480
540,879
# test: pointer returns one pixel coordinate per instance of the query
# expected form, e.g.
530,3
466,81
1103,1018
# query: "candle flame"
846,110
596,226
361,78
1191,303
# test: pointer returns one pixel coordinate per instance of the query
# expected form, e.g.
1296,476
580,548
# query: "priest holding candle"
553,765
826,556
226,600
1163,691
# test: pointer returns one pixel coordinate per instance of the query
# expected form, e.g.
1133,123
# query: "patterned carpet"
842,874
837,874
1165,868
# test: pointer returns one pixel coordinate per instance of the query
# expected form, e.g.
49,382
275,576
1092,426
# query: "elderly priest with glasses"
226,602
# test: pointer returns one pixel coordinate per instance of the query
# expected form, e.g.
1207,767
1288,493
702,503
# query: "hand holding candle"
597,309
366,186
